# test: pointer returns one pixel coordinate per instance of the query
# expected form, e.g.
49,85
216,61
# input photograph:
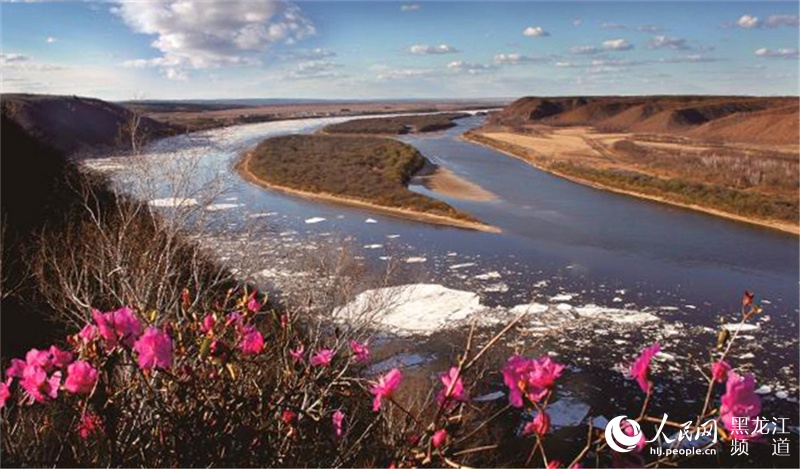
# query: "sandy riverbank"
242,167
445,182
484,140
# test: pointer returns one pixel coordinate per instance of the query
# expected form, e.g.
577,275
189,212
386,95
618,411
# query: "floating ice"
413,309
370,220
173,202
416,260
561,297
461,266
741,327
217,207
373,246
311,221
488,275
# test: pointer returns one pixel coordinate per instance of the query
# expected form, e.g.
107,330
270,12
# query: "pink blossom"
117,326
5,393
90,423
453,379
154,349
360,351
323,357
38,386
81,378
338,423
207,326
719,371
439,438
253,305
385,387
538,426
88,333
284,320
297,354
288,416
641,366
252,341
531,378
740,400
628,430
40,358
554,464
60,358
16,369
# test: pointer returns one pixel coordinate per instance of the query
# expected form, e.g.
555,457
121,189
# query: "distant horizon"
179,50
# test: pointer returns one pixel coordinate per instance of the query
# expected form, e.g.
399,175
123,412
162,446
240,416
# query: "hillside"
740,119
73,124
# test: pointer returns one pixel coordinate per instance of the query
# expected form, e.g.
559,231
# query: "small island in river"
364,171
397,125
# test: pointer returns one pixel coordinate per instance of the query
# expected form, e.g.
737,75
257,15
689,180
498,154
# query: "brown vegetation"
369,169
397,125
741,119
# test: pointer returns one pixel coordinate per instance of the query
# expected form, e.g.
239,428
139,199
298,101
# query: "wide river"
559,239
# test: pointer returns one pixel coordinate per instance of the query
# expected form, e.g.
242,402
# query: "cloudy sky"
161,49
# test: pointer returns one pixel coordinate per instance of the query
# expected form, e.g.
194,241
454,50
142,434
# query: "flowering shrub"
237,387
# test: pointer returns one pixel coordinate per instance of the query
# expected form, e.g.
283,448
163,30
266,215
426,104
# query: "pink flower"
40,358
385,387
297,354
323,357
5,393
233,318
740,400
288,416
16,369
554,464
539,426
456,393
253,305
90,423
284,320
439,438
719,371
117,326
38,386
338,423
60,358
88,333
641,366
252,341
360,351
81,378
154,349
628,430
207,326
530,378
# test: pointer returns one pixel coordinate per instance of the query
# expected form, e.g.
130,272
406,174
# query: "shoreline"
443,181
779,226
242,168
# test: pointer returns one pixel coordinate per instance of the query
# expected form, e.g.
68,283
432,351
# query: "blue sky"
163,49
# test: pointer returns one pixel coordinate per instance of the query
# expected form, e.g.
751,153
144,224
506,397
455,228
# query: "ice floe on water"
373,246
741,327
216,207
313,220
416,260
173,202
370,220
413,309
461,266
560,298
488,275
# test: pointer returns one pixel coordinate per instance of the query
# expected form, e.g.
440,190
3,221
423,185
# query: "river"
560,242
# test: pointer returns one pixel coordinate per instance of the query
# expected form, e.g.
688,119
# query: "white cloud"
315,69
535,31
403,74
784,53
412,7
577,22
748,22
692,59
516,59
22,62
469,67
318,53
773,21
615,63
617,44
664,42
425,49
10,59
615,26
50,39
584,50
649,28
195,35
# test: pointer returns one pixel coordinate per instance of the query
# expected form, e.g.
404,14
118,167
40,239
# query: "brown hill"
73,124
736,118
